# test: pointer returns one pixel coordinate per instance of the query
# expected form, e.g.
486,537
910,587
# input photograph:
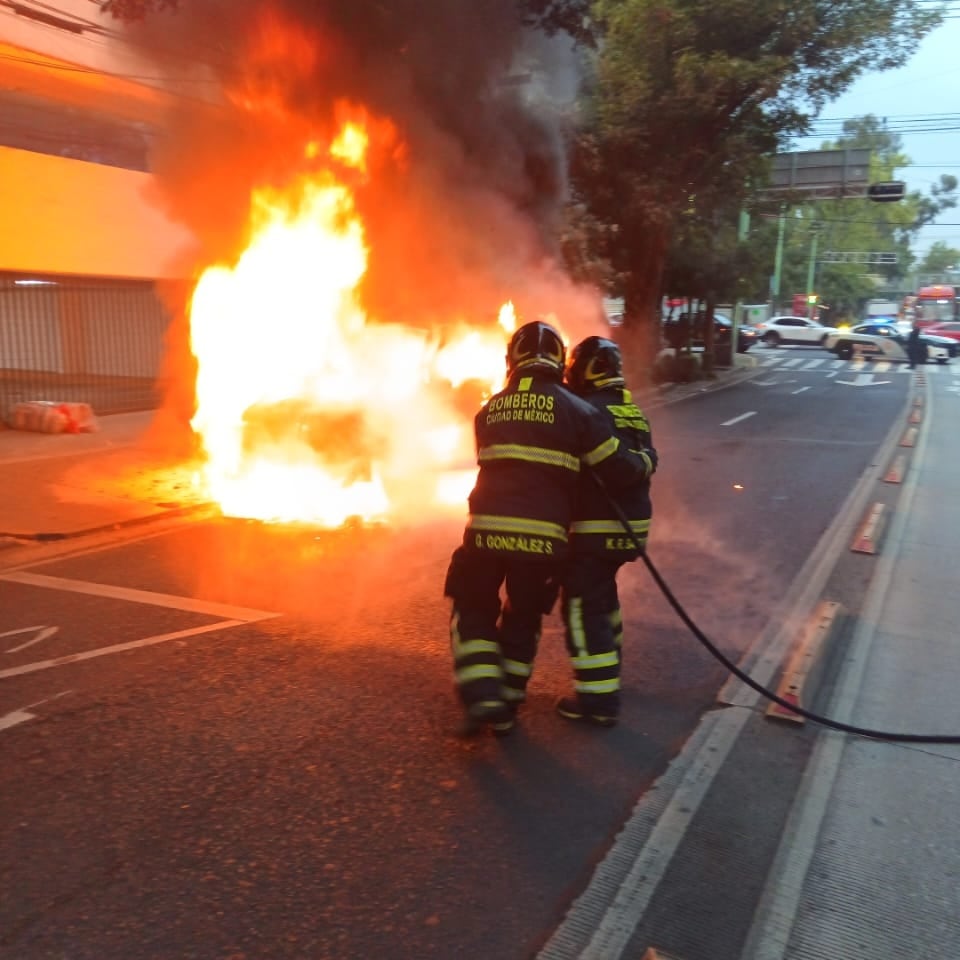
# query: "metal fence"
67,339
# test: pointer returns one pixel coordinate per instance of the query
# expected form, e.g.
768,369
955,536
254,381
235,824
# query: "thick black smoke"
469,219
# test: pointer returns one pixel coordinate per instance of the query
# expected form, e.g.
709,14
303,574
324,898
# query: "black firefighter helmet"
595,363
536,345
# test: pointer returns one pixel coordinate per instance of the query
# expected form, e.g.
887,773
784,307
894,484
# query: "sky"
921,97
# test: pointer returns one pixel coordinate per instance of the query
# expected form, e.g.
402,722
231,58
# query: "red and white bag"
49,416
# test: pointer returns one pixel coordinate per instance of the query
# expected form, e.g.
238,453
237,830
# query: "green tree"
940,261
687,98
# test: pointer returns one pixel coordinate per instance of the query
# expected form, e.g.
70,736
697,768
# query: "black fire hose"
746,678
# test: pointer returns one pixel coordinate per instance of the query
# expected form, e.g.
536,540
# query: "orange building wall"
71,217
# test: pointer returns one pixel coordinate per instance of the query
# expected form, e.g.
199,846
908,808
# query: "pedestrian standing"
916,351
534,439
600,544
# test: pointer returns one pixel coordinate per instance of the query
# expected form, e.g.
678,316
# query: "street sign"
886,192
857,256
821,173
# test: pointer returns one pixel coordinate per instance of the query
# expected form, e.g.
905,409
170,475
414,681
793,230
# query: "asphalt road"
255,759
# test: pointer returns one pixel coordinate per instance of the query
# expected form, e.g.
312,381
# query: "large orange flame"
306,409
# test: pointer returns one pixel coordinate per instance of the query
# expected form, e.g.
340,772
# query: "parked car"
798,331
945,328
885,341
673,331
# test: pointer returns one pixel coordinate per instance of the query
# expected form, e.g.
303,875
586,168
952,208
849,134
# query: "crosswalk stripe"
856,365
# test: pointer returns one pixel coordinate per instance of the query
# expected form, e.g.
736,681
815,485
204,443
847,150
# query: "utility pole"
778,261
743,231
812,266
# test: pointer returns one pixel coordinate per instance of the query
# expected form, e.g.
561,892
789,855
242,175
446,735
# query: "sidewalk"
64,485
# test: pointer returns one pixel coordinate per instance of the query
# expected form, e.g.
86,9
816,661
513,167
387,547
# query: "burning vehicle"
365,240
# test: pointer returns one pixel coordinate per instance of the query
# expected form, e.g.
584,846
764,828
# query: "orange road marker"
918,401
897,469
916,417
868,536
909,438
652,953
804,670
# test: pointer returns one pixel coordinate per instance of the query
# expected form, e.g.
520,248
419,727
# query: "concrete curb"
20,539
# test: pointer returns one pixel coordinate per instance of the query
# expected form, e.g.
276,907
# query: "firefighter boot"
494,714
571,709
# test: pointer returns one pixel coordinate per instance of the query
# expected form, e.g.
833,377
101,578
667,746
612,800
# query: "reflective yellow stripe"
480,671
463,648
606,449
517,669
598,686
513,696
641,527
578,636
517,451
534,528
596,661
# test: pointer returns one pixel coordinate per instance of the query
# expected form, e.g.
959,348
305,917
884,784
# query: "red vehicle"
946,328
936,304
802,307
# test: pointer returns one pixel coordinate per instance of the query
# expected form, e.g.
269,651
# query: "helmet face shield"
595,363
536,345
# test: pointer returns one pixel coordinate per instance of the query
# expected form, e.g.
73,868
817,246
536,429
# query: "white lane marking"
12,719
792,363
22,715
138,596
863,380
117,648
812,364
882,366
770,361
601,922
743,416
799,390
764,383
41,634
833,373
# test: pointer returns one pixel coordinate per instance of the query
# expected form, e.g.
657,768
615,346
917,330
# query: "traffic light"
811,299
886,192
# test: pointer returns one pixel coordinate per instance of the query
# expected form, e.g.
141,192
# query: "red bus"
936,303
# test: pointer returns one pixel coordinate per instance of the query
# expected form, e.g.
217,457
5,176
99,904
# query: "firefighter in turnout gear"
534,439
599,543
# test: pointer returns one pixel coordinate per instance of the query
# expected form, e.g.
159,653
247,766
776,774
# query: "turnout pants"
594,631
493,641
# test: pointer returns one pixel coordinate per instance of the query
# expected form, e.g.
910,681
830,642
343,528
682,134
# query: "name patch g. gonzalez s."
515,543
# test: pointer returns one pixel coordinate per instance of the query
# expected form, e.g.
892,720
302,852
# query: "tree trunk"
709,358
640,337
